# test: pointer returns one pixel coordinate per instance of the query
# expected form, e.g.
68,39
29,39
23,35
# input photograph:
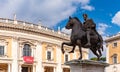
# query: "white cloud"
66,31
116,18
102,27
8,7
87,7
48,12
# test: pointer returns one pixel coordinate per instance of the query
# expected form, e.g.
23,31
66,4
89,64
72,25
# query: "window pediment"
27,42
22,43
114,55
49,47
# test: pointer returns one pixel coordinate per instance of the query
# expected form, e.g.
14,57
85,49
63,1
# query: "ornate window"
27,50
1,50
49,52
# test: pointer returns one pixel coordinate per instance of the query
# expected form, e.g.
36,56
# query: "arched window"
26,50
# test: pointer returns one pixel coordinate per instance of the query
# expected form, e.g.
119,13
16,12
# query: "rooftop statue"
84,35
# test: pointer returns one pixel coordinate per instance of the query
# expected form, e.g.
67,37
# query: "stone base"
86,66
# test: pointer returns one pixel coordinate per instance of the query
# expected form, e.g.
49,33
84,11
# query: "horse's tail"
100,41
102,48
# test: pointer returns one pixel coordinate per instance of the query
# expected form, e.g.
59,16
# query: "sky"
55,13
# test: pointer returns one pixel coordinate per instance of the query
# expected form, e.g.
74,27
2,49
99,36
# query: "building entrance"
66,70
48,69
26,68
3,67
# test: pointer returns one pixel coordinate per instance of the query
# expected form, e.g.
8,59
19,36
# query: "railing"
10,21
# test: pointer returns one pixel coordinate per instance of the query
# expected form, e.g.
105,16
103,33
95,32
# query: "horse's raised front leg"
72,51
65,43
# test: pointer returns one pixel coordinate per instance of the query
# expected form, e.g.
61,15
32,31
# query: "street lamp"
114,69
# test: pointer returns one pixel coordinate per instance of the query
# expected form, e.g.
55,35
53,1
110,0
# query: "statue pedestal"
86,66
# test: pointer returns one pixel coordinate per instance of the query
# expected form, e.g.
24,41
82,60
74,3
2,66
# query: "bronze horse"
79,38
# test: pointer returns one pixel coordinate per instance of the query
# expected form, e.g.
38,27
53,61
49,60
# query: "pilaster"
9,67
58,57
39,57
15,54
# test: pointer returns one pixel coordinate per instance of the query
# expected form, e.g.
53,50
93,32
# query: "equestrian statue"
84,36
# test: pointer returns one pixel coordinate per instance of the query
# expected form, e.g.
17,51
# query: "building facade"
27,47
113,53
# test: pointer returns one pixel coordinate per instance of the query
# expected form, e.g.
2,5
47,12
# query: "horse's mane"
90,21
77,19
80,23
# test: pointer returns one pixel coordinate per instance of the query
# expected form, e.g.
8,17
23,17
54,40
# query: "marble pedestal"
86,66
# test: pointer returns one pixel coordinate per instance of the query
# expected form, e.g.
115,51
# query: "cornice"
25,27
112,38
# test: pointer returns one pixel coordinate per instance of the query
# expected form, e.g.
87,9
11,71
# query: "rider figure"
88,27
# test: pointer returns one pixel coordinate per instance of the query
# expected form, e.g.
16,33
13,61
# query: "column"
14,54
6,44
38,57
43,70
34,70
20,51
19,67
58,56
62,69
32,52
9,67
54,69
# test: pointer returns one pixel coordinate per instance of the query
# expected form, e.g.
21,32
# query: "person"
89,26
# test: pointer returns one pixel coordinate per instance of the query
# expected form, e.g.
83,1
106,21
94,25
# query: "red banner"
28,59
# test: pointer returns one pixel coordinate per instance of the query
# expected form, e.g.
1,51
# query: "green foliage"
101,59
94,58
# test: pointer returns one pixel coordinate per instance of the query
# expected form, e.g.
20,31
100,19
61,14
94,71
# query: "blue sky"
55,13
106,15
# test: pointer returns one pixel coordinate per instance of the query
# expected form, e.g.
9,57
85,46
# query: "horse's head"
71,22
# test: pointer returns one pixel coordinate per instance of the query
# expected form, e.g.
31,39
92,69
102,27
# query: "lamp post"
114,69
